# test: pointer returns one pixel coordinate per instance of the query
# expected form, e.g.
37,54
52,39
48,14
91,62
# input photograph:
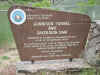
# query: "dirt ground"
8,61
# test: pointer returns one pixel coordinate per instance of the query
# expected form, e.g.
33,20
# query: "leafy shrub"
5,57
44,3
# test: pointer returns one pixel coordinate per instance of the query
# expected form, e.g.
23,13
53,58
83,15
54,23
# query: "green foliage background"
88,3
5,31
44,3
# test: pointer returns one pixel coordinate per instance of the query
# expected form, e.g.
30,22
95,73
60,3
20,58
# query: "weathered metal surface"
48,34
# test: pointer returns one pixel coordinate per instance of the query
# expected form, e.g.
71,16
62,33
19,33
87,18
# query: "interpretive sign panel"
43,34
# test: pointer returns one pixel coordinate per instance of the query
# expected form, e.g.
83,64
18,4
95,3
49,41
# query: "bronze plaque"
43,34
